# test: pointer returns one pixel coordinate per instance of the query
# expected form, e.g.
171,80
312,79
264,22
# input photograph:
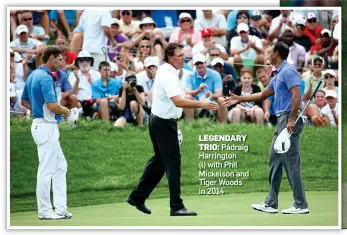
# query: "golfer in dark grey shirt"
285,86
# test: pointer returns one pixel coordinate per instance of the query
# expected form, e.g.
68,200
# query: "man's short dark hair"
52,50
103,64
170,50
282,49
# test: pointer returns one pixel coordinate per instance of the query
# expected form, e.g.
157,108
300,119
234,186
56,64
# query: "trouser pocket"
41,132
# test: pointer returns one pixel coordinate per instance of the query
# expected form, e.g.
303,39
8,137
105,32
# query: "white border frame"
121,7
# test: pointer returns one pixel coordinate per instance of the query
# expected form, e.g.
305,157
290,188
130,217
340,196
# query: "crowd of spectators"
111,58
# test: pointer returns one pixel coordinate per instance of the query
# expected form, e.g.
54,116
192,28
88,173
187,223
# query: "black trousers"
166,159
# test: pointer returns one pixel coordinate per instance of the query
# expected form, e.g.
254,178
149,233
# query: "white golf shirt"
92,22
236,43
167,85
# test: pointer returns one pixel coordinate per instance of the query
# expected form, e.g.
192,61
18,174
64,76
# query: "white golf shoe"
264,208
65,214
50,216
295,210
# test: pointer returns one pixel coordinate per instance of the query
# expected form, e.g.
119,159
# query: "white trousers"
52,167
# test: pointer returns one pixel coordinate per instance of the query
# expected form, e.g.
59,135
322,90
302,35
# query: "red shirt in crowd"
70,57
320,47
313,35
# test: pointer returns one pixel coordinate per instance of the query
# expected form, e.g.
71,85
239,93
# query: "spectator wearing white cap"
329,80
35,31
299,36
207,44
216,22
114,70
146,79
204,83
280,23
246,47
331,108
27,47
313,30
227,68
326,47
120,39
186,35
82,80
228,81
96,26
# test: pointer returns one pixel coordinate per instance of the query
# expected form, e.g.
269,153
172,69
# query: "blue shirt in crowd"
285,78
63,81
99,90
39,90
69,14
212,79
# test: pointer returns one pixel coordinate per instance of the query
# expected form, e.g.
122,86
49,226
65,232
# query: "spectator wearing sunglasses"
34,31
299,35
215,53
326,47
311,81
329,79
313,30
331,109
186,35
82,80
127,25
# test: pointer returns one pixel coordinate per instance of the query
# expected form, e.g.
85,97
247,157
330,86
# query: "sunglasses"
300,28
328,76
198,63
242,17
125,13
312,20
147,25
84,59
27,19
183,21
145,47
317,65
218,65
215,55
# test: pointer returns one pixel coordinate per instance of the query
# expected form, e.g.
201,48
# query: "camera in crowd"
131,79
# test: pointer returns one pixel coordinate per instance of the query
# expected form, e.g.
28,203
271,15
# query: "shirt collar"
46,70
204,77
282,64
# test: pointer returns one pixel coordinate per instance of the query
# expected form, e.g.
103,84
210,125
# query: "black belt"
170,119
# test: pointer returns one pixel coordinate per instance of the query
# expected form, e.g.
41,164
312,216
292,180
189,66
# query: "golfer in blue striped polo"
285,86
40,97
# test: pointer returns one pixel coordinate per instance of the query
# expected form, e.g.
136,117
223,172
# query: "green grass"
227,210
105,164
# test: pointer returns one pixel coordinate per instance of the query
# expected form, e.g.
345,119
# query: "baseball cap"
206,32
12,90
242,27
326,31
22,29
114,67
114,21
199,58
216,61
331,93
256,15
151,60
126,10
300,22
331,72
311,15
185,15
